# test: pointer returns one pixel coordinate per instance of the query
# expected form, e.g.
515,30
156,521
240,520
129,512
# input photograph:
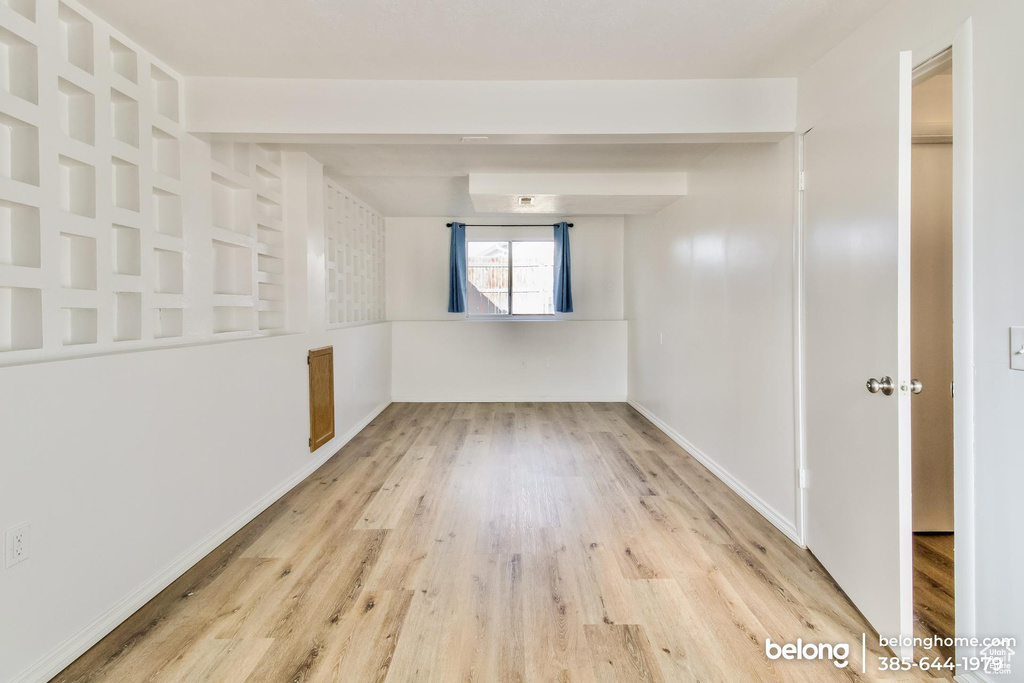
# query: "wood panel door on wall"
321,396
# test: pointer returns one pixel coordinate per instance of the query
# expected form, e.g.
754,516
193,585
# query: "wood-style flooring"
495,542
933,591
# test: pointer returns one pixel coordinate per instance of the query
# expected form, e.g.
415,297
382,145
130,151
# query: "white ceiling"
487,39
433,179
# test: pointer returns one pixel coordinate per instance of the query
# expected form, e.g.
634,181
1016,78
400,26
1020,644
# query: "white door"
856,200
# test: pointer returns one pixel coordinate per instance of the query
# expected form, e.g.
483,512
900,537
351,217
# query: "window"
510,278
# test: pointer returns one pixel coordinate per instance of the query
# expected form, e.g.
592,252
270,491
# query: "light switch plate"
1017,348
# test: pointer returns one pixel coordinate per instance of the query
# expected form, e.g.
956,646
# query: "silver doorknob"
916,387
885,385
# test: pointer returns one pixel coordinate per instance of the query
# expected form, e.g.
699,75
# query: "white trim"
905,518
508,399
965,589
799,390
766,510
71,649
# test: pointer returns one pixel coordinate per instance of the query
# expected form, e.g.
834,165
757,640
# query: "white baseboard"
972,677
73,648
766,510
507,399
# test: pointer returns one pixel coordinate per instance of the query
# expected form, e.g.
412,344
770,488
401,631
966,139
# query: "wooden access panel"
321,396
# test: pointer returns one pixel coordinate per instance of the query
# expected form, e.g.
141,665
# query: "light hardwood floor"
495,542
933,590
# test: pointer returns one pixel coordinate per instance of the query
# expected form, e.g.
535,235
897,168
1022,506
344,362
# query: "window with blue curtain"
510,277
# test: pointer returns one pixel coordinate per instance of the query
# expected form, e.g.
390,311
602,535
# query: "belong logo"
838,654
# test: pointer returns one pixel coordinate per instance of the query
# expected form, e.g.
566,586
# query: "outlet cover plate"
16,544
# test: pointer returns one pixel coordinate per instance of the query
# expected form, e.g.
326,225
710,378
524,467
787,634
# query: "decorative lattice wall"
355,258
247,205
91,233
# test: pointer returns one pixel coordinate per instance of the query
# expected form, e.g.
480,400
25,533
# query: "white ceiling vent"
473,139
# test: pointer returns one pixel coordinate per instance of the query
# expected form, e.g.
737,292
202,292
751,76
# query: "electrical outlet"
17,545
522,364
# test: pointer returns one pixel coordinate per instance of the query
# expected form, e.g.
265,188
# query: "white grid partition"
354,235
91,234
247,209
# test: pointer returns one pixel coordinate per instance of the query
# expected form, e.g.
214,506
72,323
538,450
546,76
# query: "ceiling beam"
260,106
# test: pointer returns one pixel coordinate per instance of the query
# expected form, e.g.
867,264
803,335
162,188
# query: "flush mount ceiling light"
526,201
473,139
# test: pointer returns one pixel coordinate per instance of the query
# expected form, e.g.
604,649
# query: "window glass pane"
487,278
533,268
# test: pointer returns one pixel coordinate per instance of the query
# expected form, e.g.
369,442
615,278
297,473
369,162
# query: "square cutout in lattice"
125,184
127,245
19,150
127,316
124,116
19,235
75,38
168,323
232,268
77,112
19,64
79,326
167,212
168,275
166,154
165,93
77,182
232,205
124,61
77,261
26,8
21,319
232,319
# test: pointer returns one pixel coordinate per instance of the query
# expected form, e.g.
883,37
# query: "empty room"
484,341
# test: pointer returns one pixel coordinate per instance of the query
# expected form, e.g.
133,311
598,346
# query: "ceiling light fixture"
526,201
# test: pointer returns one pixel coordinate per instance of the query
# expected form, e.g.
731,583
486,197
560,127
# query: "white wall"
132,467
440,356
709,301
509,361
926,26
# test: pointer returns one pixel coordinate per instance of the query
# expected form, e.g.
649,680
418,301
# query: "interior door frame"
961,40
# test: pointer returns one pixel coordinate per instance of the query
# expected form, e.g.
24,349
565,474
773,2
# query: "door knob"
916,387
884,385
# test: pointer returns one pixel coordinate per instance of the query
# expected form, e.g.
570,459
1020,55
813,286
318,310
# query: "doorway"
856,447
931,335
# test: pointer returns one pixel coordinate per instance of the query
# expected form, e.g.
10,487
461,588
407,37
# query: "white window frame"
511,312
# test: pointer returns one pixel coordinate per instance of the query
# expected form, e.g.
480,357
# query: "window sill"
514,318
